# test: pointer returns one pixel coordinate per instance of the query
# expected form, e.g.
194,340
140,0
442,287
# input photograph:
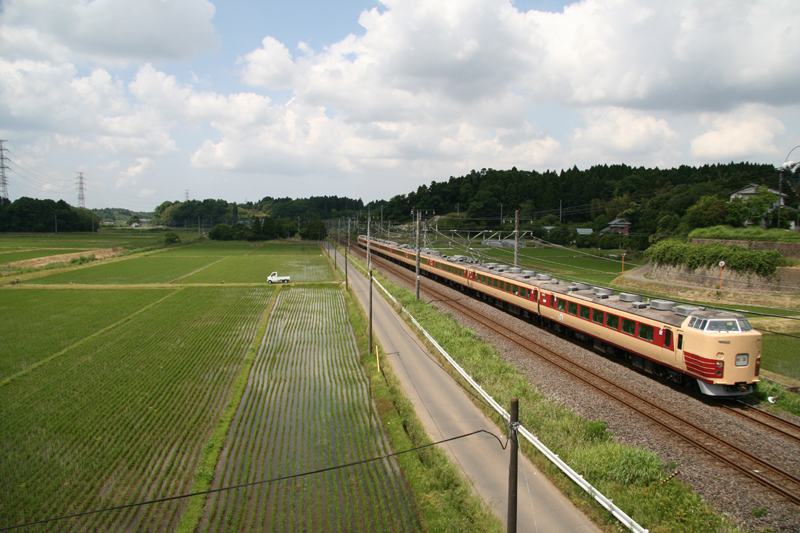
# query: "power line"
254,483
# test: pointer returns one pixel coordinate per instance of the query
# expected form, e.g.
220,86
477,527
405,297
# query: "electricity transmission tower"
3,167
81,197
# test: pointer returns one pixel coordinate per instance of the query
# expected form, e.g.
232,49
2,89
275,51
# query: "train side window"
628,326
680,341
515,290
561,305
612,321
597,316
692,321
535,295
585,312
646,332
572,308
494,283
668,338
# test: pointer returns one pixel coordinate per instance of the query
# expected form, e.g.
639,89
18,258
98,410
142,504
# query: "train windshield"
745,325
723,325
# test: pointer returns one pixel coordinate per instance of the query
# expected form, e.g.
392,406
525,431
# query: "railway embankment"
785,279
786,249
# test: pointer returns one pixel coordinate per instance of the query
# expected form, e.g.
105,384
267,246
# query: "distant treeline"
117,215
44,216
654,200
207,212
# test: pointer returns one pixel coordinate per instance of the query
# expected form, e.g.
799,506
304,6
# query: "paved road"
446,411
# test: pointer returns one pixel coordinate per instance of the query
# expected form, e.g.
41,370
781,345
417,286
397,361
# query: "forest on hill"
33,215
655,201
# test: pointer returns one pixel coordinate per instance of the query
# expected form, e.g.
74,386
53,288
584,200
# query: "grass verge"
204,475
635,478
444,499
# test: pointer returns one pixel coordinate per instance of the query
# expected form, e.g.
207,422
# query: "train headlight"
742,359
758,365
720,368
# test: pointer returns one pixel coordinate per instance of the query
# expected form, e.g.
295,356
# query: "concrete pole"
370,311
369,223
512,467
419,217
516,237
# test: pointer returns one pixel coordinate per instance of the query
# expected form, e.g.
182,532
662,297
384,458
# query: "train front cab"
722,352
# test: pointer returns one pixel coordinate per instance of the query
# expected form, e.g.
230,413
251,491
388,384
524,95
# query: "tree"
315,231
133,220
220,232
171,238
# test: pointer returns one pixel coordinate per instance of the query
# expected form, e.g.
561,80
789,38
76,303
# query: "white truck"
275,278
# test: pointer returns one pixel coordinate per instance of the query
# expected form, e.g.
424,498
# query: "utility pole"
199,231
512,466
346,250
3,167
186,195
369,248
560,202
516,237
56,222
381,218
370,311
416,284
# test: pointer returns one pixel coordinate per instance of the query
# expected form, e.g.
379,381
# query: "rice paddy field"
307,406
115,375
138,270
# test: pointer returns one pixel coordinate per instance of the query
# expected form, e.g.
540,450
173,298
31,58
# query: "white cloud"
612,133
111,32
131,174
146,193
745,132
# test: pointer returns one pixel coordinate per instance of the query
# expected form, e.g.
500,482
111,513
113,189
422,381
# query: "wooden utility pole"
512,466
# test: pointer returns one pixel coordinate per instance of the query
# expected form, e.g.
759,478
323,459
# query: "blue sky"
244,99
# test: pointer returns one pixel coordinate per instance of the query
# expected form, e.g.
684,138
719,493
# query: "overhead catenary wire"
255,483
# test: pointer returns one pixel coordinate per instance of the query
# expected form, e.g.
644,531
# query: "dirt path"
100,253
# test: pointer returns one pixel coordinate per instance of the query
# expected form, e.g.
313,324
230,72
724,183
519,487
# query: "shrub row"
738,258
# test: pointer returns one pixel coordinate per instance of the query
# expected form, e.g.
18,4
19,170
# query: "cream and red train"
719,351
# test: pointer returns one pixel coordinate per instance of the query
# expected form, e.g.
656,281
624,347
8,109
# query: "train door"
680,341
668,347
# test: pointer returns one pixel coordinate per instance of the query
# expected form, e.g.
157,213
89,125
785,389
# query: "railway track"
755,468
786,428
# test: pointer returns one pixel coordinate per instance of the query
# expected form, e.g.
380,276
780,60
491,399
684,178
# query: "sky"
159,100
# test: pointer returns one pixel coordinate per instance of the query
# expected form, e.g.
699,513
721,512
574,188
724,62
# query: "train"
714,352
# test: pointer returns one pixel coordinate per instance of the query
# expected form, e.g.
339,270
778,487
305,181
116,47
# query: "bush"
738,258
171,238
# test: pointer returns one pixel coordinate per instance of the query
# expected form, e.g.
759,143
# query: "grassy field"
156,269
256,269
122,416
215,249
